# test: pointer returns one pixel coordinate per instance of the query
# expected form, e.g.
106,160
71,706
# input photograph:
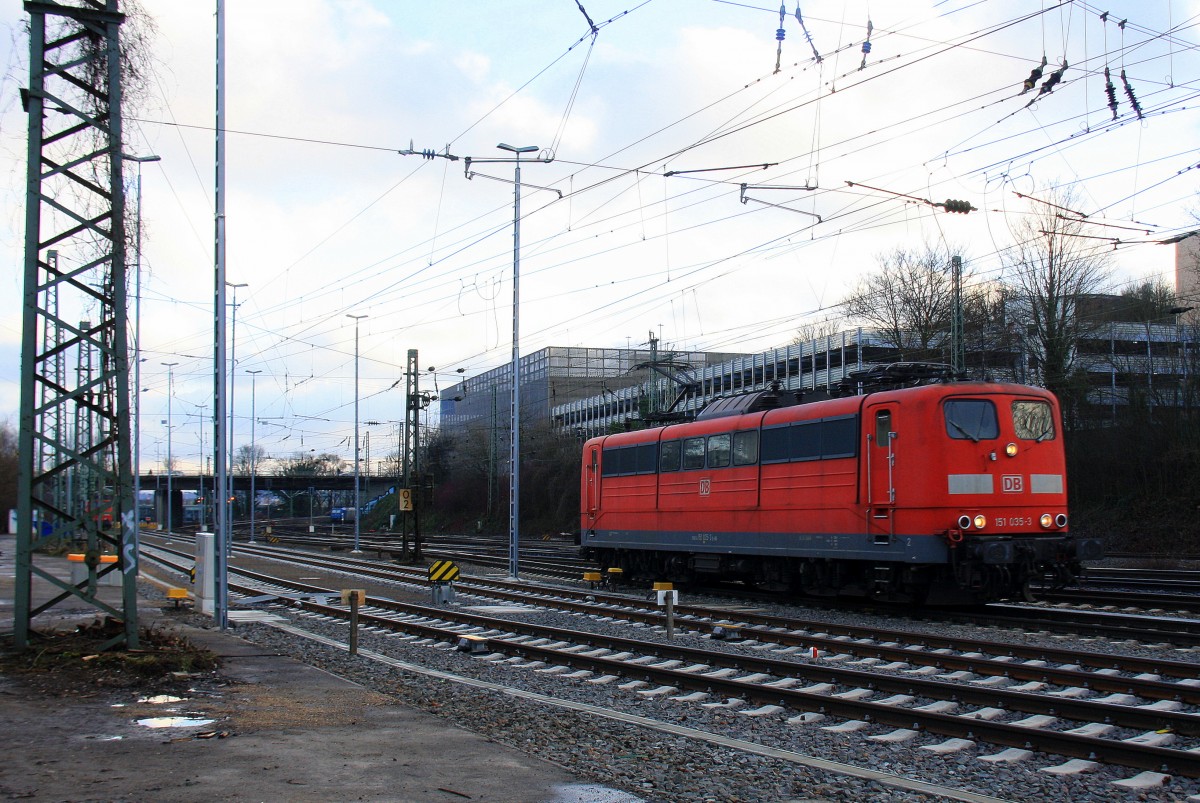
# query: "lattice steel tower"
75,271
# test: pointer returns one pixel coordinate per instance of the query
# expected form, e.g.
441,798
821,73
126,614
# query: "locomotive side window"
806,441
825,439
612,463
774,447
973,419
1033,420
839,437
718,451
647,458
745,448
668,456
624,460
693,453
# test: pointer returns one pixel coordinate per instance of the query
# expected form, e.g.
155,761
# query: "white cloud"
475,66
327,216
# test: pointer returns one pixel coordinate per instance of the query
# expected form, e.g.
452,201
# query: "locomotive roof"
774,399
748,403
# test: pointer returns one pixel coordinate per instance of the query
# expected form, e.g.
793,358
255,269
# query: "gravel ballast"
658,766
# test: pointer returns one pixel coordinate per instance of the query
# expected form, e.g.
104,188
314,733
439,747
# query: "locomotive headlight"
1060,520
1047,521
964,522
1011,450
980,522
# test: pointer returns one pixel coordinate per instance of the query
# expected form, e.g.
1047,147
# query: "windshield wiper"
959,427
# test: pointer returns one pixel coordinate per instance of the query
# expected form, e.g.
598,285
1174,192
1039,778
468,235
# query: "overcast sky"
639,223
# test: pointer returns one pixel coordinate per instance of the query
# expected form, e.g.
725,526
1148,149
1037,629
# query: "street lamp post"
253,449
170,467
201,495
137,348
514,485
1177,311
357,506
228,545
514,438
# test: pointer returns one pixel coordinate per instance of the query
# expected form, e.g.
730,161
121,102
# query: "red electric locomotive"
936,493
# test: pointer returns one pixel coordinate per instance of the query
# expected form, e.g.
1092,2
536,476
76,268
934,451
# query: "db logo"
705,487
1012,483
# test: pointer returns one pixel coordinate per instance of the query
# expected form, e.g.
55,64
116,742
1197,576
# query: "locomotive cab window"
971,419
1033,420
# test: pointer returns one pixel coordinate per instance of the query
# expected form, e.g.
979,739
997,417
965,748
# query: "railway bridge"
339,489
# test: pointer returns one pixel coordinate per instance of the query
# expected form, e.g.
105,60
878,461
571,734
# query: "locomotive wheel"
1027,592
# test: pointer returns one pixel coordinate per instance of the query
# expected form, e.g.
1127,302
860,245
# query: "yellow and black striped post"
442,575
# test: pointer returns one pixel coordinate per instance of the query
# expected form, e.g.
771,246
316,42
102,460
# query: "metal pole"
220,604
1112,370
356,318
253,448
228,541
957,345
170,467
514,459
200,496
137,354
514,488
1149,364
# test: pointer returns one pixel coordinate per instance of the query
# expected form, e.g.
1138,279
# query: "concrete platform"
280,730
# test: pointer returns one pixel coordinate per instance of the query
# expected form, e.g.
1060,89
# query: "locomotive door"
592,492
881,471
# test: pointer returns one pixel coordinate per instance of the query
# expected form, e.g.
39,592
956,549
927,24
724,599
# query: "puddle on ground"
104,738
590,793
160,699
173,722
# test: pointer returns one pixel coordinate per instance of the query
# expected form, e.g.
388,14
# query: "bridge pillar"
160,507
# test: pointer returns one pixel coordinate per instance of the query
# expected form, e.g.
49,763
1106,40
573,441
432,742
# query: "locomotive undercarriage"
816,577
979,570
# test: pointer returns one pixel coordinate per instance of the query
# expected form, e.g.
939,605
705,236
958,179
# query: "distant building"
591,391
1187,277
811,366
560,375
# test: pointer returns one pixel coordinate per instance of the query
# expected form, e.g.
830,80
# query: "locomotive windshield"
1033,420
971,418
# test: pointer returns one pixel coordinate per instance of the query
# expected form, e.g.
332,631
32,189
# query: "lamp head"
513,149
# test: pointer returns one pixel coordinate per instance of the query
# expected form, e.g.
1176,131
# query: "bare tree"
311,465
816,330
246,457
988,332
1055,262
1151,301
908,300
9,460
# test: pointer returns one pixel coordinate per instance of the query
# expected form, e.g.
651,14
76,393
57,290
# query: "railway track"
1113,587
1137,625
1098,707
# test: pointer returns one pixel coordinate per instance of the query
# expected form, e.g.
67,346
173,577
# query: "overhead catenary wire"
638,178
